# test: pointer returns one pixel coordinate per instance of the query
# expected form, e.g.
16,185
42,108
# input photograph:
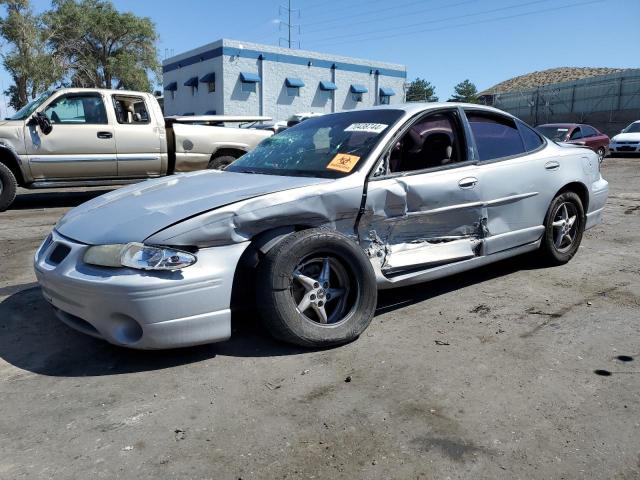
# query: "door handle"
468,182
105,135
553,165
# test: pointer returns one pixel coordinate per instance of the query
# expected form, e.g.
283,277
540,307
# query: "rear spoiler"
215,119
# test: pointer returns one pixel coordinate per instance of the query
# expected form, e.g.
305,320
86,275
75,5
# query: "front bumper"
140,309
627,147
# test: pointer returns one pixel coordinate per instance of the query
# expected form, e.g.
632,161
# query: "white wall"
229,99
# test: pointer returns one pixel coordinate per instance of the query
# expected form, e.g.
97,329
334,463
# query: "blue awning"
210,112
294,82
359,89
248,77
387,92
328,86
192,82
172,87
208,78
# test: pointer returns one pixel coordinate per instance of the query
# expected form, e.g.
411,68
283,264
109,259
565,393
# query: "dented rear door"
423,219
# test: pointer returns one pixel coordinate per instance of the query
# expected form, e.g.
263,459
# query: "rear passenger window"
496,136
131,110
530,138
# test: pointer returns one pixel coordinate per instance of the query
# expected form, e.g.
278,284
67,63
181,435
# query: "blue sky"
444,41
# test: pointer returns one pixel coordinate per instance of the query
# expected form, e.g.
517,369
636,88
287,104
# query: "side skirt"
83,183
401,280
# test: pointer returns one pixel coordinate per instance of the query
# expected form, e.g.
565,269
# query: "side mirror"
43,122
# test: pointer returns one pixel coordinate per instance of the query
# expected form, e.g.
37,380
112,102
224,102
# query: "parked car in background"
313,221
86,137
628,140
578,134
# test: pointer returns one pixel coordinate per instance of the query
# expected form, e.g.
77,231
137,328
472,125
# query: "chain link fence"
608,102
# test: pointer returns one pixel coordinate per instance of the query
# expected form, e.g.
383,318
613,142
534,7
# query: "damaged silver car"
310,224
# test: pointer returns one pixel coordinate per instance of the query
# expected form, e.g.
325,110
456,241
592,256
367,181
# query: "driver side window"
77,109
432,141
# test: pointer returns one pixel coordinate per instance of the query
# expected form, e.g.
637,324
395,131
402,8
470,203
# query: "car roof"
416,107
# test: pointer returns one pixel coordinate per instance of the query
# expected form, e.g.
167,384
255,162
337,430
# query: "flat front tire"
564,226
316,288
8,187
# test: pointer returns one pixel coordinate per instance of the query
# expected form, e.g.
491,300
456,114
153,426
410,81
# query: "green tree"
98,46
26,59
421,90
465,92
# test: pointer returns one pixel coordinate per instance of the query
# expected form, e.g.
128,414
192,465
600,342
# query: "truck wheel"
220,162
564,226
316,288
8,187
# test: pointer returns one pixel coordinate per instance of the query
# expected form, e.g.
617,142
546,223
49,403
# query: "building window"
293,85
385,95
248,87
210,80
357,91
193,83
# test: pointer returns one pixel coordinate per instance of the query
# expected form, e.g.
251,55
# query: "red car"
578,134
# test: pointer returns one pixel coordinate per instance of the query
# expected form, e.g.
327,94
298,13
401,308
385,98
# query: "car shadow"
43,199
33,339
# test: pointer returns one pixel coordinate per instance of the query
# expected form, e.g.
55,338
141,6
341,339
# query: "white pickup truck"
88,137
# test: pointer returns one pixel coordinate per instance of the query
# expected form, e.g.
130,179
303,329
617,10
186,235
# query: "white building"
229,77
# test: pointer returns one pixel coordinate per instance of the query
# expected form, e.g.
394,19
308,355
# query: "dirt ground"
511,371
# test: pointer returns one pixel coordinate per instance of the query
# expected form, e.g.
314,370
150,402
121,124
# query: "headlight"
137,255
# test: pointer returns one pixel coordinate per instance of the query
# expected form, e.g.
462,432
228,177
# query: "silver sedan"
313,222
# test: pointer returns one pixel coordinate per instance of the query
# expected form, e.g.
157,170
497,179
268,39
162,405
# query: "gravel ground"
511,371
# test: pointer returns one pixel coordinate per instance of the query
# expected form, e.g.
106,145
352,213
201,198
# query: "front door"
423,207
81,144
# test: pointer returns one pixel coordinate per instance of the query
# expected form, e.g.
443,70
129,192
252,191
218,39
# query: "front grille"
625,148
58,254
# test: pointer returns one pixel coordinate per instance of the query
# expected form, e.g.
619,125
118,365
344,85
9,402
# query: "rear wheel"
221,161
564,226
316,288
8,187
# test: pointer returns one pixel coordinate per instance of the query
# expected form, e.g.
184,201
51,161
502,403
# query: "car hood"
627,137
133,213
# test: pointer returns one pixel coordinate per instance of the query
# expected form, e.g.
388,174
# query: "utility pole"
288,23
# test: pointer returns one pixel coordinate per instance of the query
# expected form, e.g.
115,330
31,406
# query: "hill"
546,77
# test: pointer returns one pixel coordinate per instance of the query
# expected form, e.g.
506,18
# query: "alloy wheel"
565,226
321,290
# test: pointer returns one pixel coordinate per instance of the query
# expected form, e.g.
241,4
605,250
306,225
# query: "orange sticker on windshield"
343,162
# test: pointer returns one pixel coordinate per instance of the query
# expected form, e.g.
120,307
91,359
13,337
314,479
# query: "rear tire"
220,162
564,226
8,187
316,288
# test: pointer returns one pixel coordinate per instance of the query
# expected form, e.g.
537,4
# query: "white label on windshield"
563,129
366,127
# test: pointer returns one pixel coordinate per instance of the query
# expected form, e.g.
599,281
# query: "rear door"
513,170
422,206
139,138
81,144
